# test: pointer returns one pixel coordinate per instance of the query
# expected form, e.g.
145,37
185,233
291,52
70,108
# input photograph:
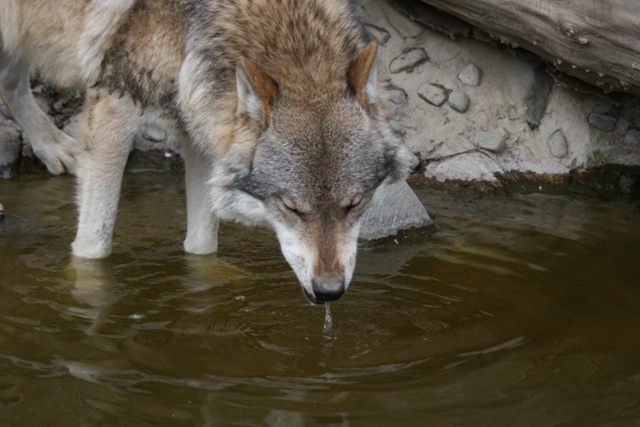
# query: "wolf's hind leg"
202,224
56,149
108,124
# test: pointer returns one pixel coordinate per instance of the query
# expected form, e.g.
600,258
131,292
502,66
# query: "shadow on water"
520,310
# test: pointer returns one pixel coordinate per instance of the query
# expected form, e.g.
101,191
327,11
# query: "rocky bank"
472,109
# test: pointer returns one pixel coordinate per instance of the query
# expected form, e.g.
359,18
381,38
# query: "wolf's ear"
255,91
362,75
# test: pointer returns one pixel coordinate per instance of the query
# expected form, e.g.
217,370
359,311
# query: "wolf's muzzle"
328,290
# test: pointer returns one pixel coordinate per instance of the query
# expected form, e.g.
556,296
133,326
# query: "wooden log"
597,41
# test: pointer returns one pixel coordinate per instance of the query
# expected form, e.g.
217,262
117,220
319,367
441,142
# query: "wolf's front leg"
56,149
108,124
202,224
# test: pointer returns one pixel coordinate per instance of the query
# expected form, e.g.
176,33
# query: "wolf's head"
309,167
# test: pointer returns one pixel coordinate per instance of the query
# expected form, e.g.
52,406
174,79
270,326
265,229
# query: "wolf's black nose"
328,290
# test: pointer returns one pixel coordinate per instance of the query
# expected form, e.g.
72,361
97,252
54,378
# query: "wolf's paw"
59,153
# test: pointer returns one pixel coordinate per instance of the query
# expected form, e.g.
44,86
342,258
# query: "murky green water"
519,311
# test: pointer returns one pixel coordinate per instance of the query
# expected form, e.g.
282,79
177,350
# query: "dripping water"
328,322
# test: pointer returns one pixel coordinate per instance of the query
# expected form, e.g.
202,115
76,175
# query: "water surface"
520,310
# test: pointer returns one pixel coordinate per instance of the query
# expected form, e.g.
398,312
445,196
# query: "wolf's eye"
353,203
292,207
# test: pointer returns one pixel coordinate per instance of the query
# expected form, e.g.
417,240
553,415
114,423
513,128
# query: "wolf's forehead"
309,172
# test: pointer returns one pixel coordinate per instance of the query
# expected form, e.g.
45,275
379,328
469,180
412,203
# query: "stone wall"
472,108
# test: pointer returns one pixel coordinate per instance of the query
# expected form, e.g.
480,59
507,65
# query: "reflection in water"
520,310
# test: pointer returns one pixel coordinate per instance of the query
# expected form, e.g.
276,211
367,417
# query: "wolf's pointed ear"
255,91
363,76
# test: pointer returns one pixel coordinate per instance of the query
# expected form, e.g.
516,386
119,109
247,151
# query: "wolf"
279,102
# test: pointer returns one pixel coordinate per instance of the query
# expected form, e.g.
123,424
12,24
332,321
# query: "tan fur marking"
359,71
264,85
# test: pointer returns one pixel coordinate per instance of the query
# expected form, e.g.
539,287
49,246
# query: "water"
520,311
328,320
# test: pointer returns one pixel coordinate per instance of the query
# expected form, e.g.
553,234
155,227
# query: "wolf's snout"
328,290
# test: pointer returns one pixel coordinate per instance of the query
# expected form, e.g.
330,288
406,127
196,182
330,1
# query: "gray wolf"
279,101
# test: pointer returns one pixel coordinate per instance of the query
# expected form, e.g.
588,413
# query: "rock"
470,75
403,25
154,134
10,145
1,211
5,112
459,101
397,127
626,184
558,144
397,95
633,136
380,35
536,100
433,94
601,121
408,60
396,208
622,126
491,141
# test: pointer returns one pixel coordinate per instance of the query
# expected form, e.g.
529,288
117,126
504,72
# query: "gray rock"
1,211
558,144
433,94
10,144
470,75
626,184
622,126
397,127
154,134
380,35
398,208
403,25
491,141
5,112
408,60
397,95
601,121
459,101
536,100
633,136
